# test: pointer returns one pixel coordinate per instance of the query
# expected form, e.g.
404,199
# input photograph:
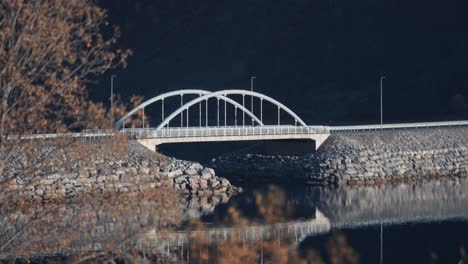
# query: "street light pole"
251,97
381,101
112,100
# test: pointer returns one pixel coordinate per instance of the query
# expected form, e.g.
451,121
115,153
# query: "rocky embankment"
55,172
393,156
364,158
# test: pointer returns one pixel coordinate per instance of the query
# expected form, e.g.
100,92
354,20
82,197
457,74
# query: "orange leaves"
51,50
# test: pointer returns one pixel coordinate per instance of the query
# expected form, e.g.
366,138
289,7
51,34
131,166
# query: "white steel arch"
230,92
184,92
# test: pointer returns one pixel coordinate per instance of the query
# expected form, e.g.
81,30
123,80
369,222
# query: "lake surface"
420,222
424,222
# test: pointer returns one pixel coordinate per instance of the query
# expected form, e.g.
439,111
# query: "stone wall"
60,173
359,158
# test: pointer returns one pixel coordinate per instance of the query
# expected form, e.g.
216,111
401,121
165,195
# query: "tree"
49,52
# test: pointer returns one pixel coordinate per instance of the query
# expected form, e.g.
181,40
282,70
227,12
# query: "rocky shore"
59,172
363,158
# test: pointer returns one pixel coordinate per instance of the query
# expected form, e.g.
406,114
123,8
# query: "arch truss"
203,97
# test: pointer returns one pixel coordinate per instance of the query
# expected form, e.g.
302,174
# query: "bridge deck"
178,132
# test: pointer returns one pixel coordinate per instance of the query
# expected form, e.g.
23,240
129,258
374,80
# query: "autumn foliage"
49,52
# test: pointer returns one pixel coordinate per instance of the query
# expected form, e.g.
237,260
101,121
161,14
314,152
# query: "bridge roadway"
151,137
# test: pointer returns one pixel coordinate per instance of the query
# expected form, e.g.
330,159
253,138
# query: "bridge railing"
222,131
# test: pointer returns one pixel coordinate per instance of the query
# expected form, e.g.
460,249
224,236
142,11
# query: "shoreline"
354,159
67,174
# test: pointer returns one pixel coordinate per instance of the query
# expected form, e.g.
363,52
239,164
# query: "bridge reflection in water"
298,230
344,207
327,210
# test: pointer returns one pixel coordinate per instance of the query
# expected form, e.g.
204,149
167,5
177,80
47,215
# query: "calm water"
406,223
424,222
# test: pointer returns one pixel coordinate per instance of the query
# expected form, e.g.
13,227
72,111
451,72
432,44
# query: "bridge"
227,125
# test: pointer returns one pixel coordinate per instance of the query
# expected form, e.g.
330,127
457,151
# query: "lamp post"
112,100
381,101
381,126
